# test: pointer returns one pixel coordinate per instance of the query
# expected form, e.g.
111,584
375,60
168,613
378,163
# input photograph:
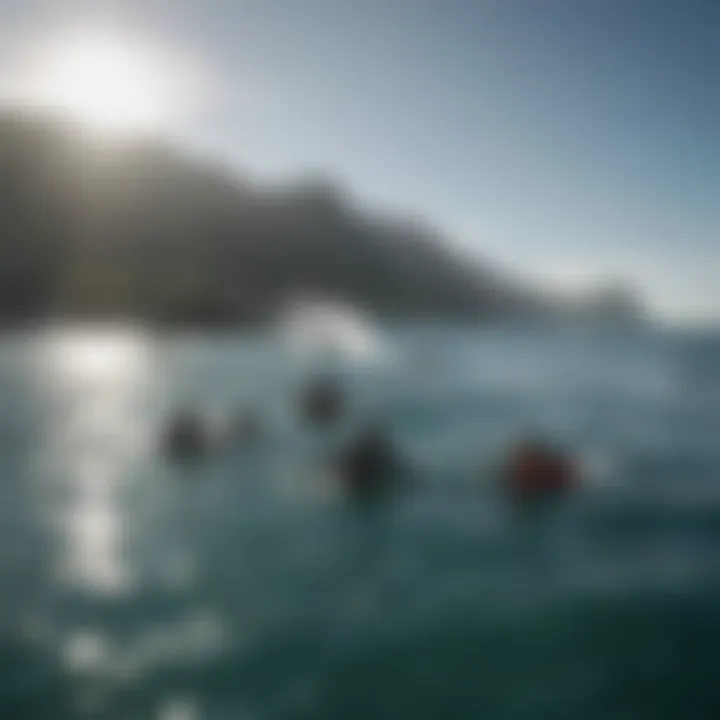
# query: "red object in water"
535,470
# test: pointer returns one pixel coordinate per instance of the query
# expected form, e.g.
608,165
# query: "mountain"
100,228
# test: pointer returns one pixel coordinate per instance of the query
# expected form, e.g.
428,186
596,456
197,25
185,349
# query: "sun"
107,82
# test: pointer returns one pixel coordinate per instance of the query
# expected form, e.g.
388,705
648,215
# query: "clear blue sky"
565,139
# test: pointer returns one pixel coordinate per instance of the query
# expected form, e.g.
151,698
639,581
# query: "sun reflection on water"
82,355
97,383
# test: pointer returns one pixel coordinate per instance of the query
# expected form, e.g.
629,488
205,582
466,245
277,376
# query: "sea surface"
245,586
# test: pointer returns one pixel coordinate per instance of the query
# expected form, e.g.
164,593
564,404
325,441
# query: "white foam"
322,330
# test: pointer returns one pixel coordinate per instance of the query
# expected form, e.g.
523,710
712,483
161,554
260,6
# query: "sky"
567,141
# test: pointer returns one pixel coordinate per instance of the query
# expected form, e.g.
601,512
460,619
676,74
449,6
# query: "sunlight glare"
116,355
107,82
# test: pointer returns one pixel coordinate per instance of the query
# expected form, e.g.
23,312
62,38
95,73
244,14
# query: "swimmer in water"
186,436
323,402
535,470
371,465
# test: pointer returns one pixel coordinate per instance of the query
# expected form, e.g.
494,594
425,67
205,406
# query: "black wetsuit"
370,466
185,438
323,403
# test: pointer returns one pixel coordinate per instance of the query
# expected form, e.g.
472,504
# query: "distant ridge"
132,228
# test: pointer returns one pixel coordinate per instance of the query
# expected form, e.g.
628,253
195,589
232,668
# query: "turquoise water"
244,587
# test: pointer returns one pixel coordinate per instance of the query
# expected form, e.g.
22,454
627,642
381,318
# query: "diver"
323,402
537,470
371,465
186,437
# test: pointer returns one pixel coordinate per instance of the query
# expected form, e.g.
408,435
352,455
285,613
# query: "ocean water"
244,586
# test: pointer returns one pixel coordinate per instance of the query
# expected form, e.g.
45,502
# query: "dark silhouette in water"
186,437
323,402
371,466
536,470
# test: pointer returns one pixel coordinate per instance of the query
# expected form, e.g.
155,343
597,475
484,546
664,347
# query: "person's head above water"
536,466
323,400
